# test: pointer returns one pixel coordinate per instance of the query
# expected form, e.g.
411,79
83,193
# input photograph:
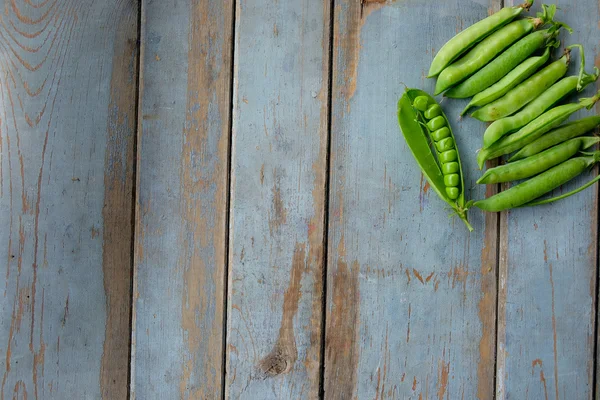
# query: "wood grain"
277,199
411,295
67,122
181,213
548,272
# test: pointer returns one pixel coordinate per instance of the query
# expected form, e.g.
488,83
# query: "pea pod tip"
527,5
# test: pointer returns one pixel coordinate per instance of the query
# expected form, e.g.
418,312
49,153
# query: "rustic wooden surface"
410,296
69,84
181,208
211,199
548,261
279,165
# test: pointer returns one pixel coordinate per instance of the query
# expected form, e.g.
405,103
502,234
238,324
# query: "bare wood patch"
117,211
284,354
342,336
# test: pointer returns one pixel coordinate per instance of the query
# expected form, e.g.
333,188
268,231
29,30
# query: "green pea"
440,134
436,123
433,111
451,180
419,138
445,144
450,168
420,103
447,156
452,192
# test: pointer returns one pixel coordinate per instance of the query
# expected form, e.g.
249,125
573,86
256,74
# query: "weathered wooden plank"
67,122
548,274
277,200
411,296
182,195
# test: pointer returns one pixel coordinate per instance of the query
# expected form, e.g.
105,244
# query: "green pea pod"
504,63
568,194
473,34
526,192
525,92
558,135
533,130
533,165
416,134
551,96
512,79
488,48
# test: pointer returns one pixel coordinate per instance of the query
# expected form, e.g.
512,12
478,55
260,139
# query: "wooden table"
202,199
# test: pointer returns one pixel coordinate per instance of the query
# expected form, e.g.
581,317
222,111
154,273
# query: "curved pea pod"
533,165
558,135
504,63
525,92
512,79
490,47
527,192
473,34
416,134
560,89
533,130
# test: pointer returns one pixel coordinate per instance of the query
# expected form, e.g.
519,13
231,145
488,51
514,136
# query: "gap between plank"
596,298
134,210
499,219
498,243
326,202
228,202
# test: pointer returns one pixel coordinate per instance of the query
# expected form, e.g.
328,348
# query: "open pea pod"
418,136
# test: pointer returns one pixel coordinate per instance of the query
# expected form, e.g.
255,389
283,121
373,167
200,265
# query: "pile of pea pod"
503,63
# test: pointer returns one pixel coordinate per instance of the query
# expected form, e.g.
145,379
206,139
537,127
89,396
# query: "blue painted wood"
411,295
277,199
68,77
181,220
548,272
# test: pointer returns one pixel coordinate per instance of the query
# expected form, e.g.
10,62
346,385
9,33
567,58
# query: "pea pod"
436,167
512,79
533,130
473,34
489,47
504,63
533,165
525,92
568,194
558,135
534,109
526,193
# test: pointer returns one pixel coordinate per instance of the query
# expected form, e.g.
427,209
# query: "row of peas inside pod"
504,65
